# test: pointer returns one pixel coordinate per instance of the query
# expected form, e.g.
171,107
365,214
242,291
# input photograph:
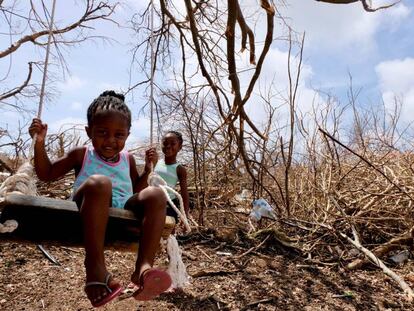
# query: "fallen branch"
203,252
48,255
379,251
406,288
356,243
71,249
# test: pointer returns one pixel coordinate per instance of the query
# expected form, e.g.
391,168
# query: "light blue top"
168,172
118,172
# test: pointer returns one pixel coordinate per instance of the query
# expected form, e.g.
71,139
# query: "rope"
23,181
176,268
42,89
156,180
152,75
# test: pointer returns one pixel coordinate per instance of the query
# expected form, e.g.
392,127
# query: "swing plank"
57,221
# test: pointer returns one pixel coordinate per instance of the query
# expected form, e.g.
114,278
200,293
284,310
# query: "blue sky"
376,48
345,38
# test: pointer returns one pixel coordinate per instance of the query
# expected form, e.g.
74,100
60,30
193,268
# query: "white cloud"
77,106
72,83
396,80
396,75
335,27
274,73
399,12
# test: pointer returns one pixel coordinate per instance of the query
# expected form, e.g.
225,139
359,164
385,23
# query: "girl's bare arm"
141,181
47,170
182,178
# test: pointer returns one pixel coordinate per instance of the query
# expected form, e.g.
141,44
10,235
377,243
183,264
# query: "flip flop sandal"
128,291
112,292
153,282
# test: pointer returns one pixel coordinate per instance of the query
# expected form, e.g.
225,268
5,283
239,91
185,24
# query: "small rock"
401,257
3,301
353,252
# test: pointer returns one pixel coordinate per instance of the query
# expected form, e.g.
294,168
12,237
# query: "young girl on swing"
107,176
172,172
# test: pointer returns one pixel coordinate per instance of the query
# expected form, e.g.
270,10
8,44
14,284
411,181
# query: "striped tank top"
118,172
168,172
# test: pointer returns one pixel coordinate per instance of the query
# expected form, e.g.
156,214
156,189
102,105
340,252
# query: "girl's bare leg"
150,204
94,199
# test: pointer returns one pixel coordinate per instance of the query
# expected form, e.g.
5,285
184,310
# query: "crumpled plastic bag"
261,208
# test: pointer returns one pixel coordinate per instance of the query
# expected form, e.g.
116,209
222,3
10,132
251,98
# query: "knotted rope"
23,182
156,180
176,268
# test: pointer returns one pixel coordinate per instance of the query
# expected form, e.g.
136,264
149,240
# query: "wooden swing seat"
58,222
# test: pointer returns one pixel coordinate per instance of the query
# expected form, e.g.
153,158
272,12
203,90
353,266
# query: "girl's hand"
39,128
182,228
151,158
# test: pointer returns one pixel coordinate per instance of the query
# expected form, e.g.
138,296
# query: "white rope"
176,268
152,75
156,180
24,182
8,226
42,89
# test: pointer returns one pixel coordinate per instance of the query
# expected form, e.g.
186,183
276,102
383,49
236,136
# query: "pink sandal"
112,292
153,282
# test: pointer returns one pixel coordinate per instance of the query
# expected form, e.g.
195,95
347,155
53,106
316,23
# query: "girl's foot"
152,282
100,293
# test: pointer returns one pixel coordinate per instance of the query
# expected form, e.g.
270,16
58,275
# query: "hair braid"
178,134
108,101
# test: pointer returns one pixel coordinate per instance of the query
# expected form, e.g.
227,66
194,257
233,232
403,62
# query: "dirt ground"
223,278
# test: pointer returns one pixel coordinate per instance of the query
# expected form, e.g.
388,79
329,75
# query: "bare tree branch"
367,4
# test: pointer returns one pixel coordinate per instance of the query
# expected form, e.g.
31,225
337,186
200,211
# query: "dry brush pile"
343,204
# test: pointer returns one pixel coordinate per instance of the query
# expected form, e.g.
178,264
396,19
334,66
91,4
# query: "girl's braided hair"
178,134
109,101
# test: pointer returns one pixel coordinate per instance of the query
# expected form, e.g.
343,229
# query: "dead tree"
209,32
31,28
